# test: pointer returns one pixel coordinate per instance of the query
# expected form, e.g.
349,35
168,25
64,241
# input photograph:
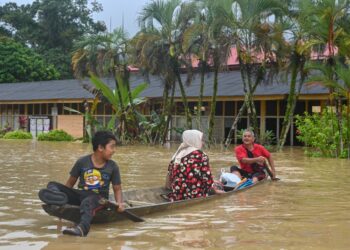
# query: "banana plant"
117,100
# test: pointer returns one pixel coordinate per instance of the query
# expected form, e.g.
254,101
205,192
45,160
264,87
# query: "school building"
39,106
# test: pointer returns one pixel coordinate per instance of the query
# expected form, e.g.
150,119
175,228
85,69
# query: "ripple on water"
20,222
28,245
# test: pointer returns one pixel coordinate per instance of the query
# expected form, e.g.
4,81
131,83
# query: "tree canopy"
21,64
50,27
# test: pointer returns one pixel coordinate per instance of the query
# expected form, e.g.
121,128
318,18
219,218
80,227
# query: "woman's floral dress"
191,178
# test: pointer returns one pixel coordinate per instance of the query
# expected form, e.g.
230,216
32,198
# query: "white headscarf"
191,141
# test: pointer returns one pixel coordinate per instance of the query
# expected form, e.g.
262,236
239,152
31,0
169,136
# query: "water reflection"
307,209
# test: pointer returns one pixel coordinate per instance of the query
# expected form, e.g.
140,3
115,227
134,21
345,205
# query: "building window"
239,105
229,108
271,108
219,108
30,109
300,108
283,105
44,109
75,106
257,105
108,109
312,104
21,109
316,109
59,108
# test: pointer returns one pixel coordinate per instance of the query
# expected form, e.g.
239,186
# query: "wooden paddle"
267,167
131,216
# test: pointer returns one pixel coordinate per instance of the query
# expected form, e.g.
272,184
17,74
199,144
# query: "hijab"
191,141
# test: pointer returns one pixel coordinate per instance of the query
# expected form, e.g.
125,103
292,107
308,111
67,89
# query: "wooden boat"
139,203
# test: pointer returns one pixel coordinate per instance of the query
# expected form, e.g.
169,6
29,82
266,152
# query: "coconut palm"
253,33
197,43
206,39
325,24
295,57
157,47
88,55
106,54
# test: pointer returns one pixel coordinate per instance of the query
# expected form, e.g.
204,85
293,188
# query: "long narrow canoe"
139,202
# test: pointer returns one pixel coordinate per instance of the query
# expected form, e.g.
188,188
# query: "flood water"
308,209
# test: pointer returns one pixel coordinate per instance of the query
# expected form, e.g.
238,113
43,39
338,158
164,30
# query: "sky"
113,12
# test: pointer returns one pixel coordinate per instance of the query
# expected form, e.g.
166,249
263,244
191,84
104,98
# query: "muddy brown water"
308,209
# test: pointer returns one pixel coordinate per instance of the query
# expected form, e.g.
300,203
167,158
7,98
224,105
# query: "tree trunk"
340,124
184,100
169,114
213,105
348,119
200,99
291,104
234,125
248,101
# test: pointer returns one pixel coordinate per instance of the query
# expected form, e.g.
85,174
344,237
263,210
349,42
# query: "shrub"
320,134
55,135
18,134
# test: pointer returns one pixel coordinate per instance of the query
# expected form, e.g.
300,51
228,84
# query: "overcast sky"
112,14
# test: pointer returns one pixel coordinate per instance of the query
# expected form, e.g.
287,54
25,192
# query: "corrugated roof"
230,85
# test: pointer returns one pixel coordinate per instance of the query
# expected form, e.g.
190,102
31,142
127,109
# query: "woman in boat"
189,175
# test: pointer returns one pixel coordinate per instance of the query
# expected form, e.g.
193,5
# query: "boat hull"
140,202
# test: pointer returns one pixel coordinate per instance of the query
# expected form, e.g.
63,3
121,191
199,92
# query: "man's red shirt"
241,152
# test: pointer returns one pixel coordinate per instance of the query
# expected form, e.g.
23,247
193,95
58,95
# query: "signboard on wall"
38,125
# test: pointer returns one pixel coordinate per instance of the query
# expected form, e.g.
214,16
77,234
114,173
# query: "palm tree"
253,34
157,47
219,50
295,56
343,85
163,22
197,42
116,62
105,54
88,55
325,24
206,39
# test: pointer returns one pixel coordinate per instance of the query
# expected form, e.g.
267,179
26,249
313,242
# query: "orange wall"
72,124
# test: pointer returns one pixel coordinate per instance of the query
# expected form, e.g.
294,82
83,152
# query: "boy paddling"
95,172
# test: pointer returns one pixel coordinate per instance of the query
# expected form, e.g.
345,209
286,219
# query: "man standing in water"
252,158
95,172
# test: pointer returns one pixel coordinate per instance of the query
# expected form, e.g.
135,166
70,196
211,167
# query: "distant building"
39,106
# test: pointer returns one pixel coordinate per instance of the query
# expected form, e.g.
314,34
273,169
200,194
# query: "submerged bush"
320,134
18,134
55,135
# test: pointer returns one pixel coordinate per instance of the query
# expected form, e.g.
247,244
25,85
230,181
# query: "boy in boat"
252,158
95,172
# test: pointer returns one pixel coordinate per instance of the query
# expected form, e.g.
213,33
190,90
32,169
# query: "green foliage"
20,64
18,134
55,135
5,130
116,101
50,27
152,127
320,134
